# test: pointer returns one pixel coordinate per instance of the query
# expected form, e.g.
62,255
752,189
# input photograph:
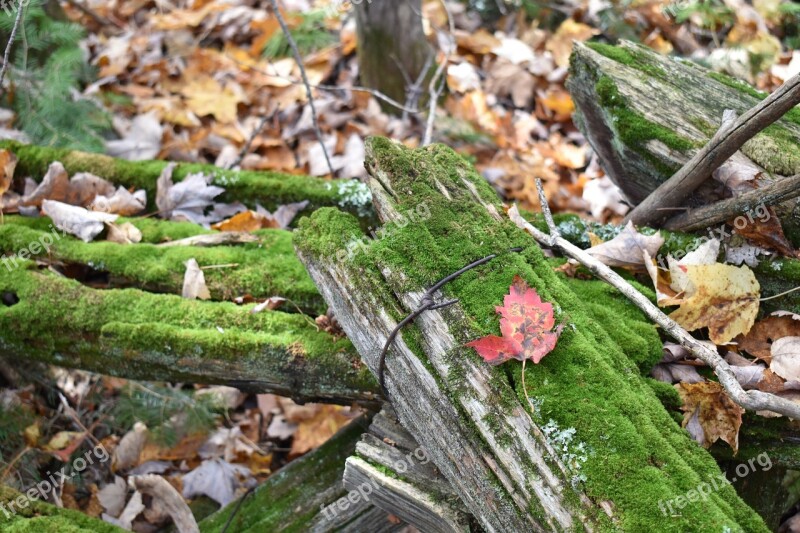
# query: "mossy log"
595,449
270,189
307,495
38,516
646,114
139,335
263,268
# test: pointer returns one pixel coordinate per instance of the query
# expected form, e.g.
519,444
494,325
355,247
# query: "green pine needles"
48,68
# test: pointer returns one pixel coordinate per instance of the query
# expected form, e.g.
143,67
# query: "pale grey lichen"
572,455
354,195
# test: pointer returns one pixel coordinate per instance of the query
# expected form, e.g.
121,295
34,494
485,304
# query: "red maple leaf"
526,325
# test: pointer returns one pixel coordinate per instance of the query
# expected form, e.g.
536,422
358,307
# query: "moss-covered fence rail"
595,449
646,114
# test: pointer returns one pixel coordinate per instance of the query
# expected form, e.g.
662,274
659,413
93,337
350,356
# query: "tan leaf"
709,414
560,44
125,233
8,162
786,358
206,96
626,249
724,299
194,282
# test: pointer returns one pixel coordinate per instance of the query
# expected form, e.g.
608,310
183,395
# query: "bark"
392,49
646,115
503,459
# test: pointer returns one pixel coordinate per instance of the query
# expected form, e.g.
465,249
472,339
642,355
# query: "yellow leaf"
207,97
560,45
8,162
724,298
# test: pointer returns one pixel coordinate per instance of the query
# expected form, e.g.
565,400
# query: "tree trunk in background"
391,42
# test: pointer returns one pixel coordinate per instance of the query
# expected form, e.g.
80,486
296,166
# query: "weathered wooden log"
270,189
300,496
645,114
595,449
397,476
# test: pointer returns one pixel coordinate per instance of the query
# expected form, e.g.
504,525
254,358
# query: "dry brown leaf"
627,249
316,430
710,414
758,341
560,44
724,298
506,79
786,358
194,282
125,233
8,163
206,96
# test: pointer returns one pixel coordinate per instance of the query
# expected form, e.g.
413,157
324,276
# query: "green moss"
270,189
630,56
262,269
137,334
591,382
38,516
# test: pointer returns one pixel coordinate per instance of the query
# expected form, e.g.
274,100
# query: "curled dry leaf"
723,298
627,249
122,202
84,224
125,233
187,200
194,282
710,414
217,479
786,358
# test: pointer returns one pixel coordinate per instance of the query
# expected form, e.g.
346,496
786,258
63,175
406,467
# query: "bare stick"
246,148
299,60
11,40
703,217
753,400
721,146
437,83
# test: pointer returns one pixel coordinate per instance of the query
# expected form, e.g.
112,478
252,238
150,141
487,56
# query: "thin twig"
784,293
426,304
246,148
722,145
548,216
7,54
299,60
438,82
753,400
703,217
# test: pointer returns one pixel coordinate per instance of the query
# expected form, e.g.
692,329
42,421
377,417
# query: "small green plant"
48,71
310,35
169,413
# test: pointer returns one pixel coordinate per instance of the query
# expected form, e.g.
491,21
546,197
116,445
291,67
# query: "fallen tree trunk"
645,115
596,449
